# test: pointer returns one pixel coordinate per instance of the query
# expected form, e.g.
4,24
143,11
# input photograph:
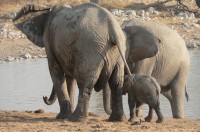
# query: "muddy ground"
11,121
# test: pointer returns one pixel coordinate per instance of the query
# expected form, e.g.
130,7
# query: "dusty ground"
11,121
30,121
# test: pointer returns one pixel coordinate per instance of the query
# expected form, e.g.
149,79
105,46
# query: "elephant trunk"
107,101
52,98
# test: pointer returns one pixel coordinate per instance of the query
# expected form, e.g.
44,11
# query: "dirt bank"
11,121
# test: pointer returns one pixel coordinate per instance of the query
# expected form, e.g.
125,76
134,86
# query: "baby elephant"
143,89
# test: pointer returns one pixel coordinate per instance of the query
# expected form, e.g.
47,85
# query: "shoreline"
30,121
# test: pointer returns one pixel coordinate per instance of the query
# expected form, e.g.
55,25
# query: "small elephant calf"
143,89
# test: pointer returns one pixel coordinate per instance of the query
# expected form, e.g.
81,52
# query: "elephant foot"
131,120
160,121
136,122
148,119
62,116
178,117
115,117
75,118
65,110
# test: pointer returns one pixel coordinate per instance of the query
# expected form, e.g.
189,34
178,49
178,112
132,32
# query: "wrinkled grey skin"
170,66
141,43
143,89
83,44
197,3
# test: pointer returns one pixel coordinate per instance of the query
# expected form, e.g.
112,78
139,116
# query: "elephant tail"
52,98
186,94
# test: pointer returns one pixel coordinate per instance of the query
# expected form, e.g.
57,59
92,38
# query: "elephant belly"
161,68
166,72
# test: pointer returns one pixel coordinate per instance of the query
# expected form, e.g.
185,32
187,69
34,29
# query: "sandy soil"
11,121
18,47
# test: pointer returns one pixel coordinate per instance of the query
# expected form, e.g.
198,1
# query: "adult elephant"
197,3
170,66
83,44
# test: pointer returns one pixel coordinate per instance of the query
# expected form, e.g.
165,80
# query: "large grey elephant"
170,66
83,44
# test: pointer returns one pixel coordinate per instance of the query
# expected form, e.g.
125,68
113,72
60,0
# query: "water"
24,83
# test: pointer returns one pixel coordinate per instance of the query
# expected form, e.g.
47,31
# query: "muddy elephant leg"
158,113
60,86
150,115
86,80
81,112
116,82
71,87
131,104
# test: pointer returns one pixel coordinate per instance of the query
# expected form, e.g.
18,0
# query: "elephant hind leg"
86,80
150,115
178,93
159,113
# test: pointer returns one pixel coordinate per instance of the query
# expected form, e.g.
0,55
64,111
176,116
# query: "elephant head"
126,85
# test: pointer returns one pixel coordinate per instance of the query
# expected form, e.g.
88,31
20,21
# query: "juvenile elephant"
143,89
170,66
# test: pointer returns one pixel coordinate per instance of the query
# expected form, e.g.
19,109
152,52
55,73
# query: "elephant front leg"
178,102
131,104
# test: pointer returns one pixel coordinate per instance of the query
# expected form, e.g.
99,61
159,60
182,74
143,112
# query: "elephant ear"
143,43
31,21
